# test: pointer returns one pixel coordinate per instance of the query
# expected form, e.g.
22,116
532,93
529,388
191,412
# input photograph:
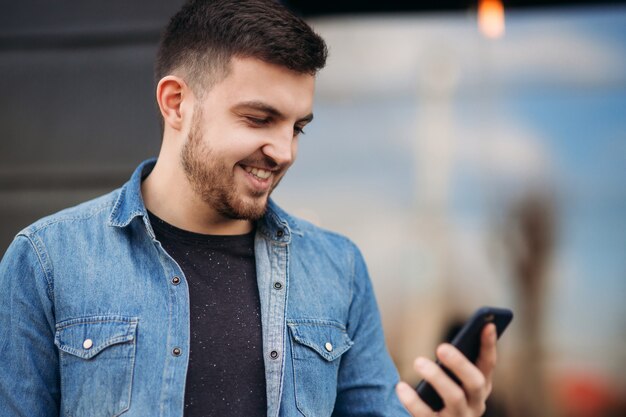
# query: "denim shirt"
94,318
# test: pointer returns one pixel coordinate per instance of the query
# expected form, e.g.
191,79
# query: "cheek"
239,145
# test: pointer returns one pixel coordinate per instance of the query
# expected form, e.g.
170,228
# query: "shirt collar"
129,202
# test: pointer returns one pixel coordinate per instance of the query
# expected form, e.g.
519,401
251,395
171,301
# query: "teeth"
260,173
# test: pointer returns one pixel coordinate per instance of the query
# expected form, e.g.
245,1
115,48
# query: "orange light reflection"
491,18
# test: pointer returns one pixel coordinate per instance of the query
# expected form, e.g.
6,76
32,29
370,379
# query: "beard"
214,182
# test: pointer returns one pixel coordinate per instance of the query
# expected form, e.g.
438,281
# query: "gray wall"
77,108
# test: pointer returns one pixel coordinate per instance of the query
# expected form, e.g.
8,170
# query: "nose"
281,149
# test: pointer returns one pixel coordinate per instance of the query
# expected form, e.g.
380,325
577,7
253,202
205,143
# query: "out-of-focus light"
491,18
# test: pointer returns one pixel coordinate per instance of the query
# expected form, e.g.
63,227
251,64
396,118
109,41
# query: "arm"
367,376
29,377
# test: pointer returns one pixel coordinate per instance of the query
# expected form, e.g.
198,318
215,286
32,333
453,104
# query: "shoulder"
315,245
320,235
96,210
57,236
304,231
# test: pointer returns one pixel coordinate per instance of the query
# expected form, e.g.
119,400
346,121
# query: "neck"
167,193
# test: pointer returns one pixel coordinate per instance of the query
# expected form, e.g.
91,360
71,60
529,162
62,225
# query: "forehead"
253,80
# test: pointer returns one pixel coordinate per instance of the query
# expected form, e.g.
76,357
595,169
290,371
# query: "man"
188,291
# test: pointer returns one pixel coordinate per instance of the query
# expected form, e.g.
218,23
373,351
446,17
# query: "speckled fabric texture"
226,374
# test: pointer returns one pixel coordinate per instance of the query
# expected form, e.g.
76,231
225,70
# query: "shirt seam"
36,228
43,259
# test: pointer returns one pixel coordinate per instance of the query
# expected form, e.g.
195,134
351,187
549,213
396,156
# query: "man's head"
236,82
204,35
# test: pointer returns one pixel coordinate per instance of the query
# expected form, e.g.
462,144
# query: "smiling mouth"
261,174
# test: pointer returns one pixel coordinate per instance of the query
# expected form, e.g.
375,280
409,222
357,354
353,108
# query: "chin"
250,209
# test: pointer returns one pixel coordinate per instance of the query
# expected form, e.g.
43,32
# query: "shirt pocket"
97,357
316,349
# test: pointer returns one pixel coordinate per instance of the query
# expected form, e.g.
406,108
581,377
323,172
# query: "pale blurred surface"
470,170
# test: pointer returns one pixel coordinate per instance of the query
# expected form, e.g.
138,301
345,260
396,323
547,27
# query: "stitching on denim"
317,322
65,347
97,319
299,405
36,228
116,205
346,341
130,329
42,257
130,383
283,332
353,275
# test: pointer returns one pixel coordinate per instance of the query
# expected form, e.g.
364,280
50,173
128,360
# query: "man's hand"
466,401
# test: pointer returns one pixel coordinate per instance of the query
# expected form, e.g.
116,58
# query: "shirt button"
176,351
278,285
328,346
87,344
176,280
280,233
273,354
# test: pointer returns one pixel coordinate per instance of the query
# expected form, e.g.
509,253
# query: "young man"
188,291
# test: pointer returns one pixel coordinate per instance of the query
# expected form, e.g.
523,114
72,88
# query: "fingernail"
403,387
420,363
403,391
444,351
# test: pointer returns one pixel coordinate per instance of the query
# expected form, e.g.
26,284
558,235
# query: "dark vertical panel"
77,105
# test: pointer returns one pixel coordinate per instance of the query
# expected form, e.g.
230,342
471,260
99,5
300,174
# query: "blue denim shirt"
92,323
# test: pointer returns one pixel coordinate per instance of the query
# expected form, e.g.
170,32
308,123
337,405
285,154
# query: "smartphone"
467,340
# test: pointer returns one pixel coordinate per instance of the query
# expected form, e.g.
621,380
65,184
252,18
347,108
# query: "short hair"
204,35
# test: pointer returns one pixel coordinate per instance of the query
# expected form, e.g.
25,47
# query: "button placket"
275,265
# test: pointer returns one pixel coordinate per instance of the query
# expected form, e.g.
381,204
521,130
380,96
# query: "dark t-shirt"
226,374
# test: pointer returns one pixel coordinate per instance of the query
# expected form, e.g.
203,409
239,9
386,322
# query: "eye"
258,121
298,130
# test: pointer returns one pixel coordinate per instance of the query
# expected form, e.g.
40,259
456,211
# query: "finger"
472,379
450,392
488,354
412,401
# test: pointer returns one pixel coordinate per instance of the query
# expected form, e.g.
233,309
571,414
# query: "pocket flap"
328,338
85,337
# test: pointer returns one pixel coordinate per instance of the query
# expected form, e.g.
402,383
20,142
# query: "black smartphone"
467,340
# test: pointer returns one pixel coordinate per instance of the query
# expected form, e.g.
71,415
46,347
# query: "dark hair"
204,35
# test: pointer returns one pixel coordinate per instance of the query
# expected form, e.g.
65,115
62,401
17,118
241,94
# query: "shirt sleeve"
29,376
367,375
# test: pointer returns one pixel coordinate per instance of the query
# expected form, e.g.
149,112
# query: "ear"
171,92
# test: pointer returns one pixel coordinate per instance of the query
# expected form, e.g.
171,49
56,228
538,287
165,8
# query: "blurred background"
475,151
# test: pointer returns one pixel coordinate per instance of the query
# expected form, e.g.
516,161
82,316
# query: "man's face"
244,136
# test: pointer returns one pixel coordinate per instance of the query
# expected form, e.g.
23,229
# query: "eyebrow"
266,108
